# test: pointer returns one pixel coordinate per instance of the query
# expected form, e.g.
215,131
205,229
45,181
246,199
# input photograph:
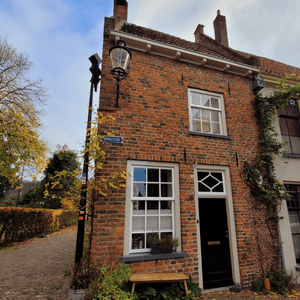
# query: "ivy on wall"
260,173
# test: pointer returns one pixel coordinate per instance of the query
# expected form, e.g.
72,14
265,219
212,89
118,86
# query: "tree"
20,143
61,185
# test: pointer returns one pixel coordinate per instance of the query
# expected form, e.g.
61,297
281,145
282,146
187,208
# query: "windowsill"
149,256
291,155
218,136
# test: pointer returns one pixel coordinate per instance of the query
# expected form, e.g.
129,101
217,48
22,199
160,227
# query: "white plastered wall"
287,171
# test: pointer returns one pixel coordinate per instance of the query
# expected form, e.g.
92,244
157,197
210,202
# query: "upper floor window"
290,127
207,114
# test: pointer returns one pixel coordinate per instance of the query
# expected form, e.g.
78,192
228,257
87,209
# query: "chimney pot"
221,29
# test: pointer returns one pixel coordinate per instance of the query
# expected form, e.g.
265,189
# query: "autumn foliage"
18,224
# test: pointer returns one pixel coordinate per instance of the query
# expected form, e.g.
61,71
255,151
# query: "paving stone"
35,269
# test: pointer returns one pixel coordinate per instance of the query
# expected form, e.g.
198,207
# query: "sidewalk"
35,269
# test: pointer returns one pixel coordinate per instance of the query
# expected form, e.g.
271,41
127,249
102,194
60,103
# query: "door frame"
227,195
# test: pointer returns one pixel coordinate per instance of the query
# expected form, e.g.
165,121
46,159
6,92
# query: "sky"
60,35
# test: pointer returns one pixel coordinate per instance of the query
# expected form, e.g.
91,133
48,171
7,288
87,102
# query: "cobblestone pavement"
36,269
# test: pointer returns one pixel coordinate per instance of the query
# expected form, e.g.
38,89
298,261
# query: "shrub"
18,224
111,284
280,281
175,291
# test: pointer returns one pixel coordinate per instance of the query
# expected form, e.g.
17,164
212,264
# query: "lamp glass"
120,58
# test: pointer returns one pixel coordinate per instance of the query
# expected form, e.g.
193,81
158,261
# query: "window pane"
138,208
294,127
153,236
153,175
196,126
218,188
139,190
203,188
166,190
287,147
210,181
138,241
166,207
205,100
202,175
138,223
195,113
205,115
153,190
215,102
215,116
206,127
295,144
139,174
217,175
195,98
166,175
166,223
215,128
165,234
152,207
152,223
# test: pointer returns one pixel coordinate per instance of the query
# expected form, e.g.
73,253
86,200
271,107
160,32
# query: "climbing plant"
260,173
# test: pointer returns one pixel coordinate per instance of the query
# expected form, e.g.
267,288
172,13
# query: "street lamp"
96,72
120,59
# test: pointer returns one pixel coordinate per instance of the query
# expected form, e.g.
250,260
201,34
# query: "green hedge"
18,224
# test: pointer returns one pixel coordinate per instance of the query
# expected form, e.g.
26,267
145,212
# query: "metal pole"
81,219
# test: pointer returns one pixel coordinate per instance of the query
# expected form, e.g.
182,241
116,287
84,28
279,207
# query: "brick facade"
153,119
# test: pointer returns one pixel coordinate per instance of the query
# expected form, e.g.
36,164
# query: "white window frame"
220,110
130,200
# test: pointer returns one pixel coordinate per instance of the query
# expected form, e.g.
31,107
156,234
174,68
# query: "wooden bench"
158,278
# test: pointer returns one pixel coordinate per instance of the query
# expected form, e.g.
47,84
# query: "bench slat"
157,277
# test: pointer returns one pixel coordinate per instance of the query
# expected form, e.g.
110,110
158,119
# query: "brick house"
188,124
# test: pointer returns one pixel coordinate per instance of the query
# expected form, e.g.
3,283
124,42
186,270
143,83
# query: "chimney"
198,32
221,29
120,10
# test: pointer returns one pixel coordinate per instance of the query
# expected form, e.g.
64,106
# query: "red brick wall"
153,119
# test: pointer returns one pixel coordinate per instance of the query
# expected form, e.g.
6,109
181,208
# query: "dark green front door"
215,250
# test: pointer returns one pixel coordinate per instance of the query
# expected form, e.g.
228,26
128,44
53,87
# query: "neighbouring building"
188,124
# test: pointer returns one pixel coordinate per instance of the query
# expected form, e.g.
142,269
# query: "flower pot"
267,284
76,294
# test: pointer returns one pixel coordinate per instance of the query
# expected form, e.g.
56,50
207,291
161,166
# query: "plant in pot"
164,245
82,276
